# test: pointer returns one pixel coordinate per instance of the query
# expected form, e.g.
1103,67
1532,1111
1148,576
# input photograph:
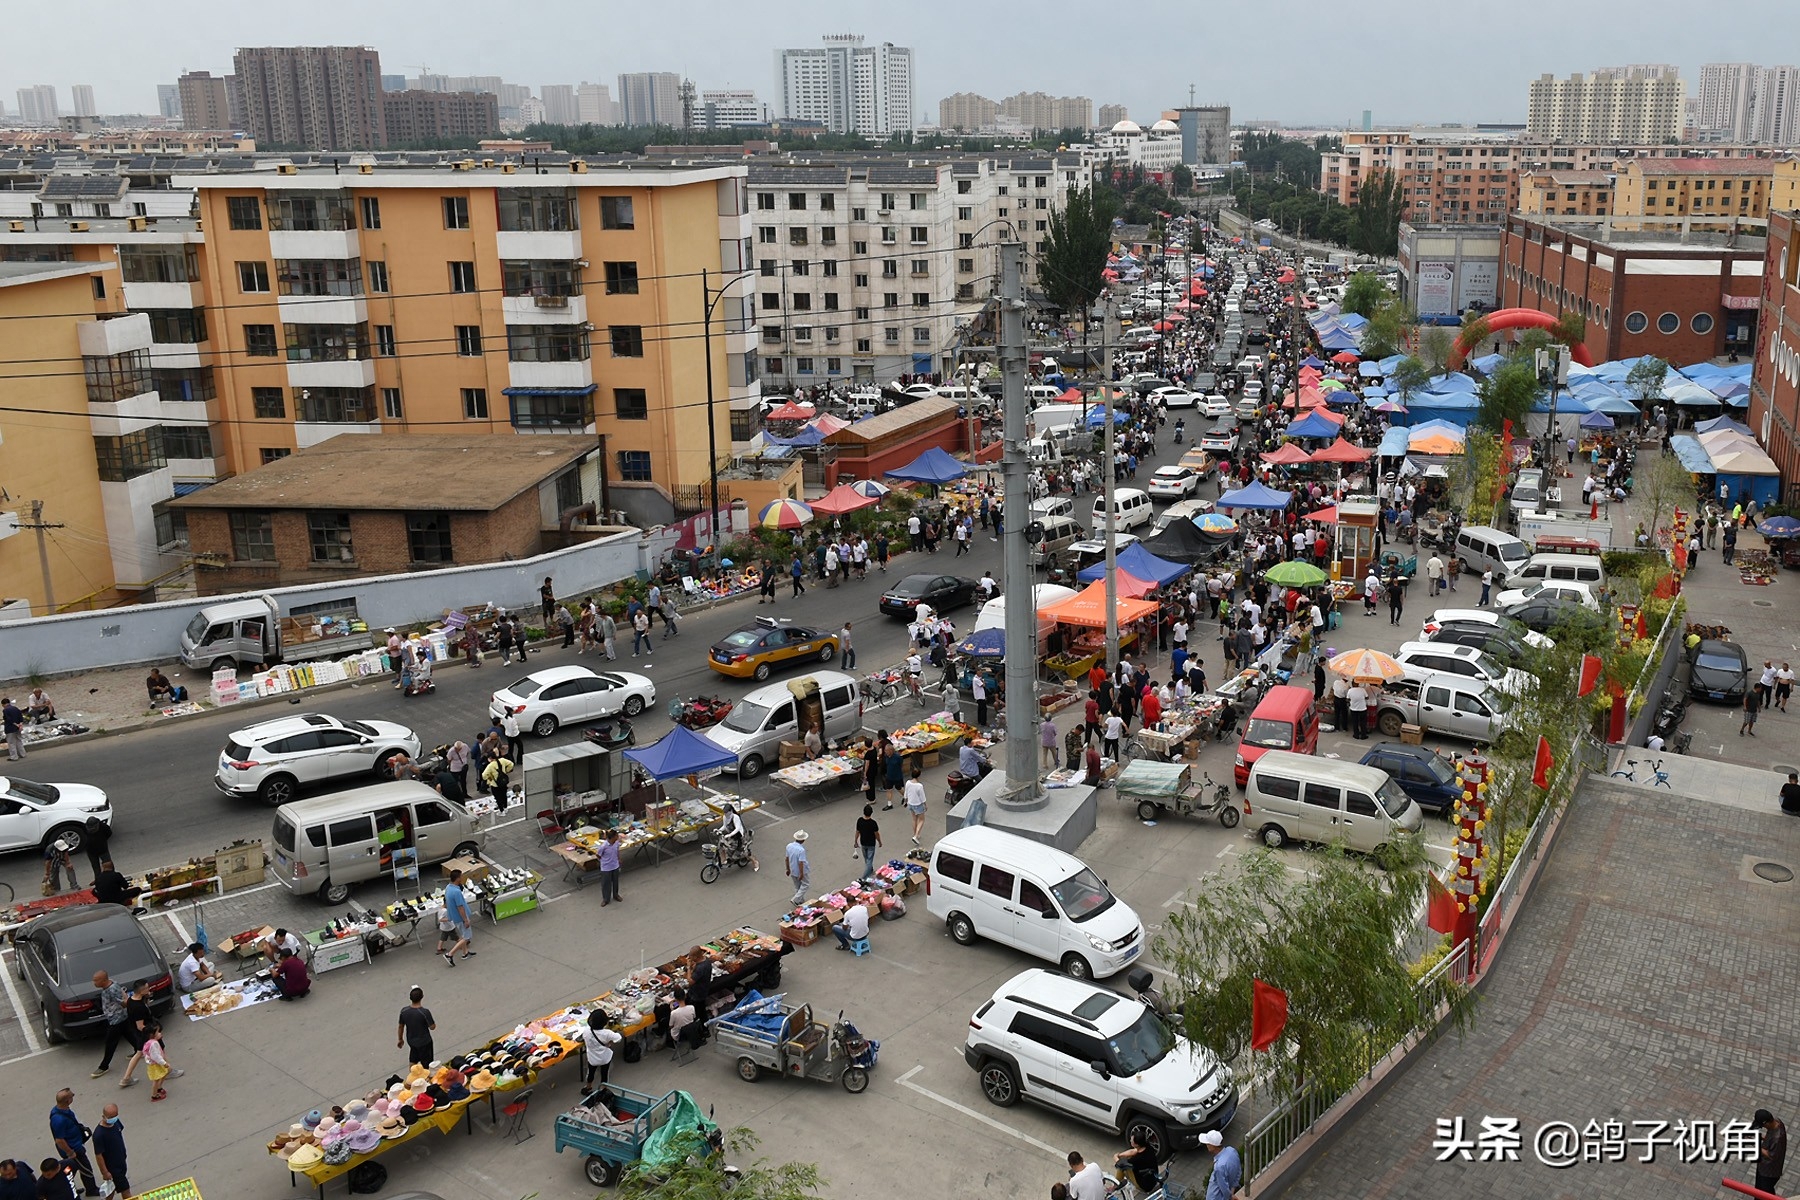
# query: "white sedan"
1175,397
1558,589
1173,483
554,696
1215,405
32,814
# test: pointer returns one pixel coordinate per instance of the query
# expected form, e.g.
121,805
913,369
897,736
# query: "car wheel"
751,767
544,726
52,1035
1151,1130
826,652
73,835
999,1084
224,664
634,705
276,790
1389,723
1274,836
384,768
1077,967
962,930
600,1172
334,893
761,673
466,850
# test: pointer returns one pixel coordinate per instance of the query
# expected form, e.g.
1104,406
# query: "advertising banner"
1437,289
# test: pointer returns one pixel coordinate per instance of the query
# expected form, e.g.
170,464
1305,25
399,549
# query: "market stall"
1183,730
806,923
1084,616
680,822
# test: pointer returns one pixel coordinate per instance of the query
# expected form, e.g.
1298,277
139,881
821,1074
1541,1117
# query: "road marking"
187,939
892,962
905,1081
24,1057
12,994
1180,898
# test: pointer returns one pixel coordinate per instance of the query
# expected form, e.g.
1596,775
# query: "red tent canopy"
842,499
1325,516
1286,455
1346,356
1342,452
792,412
1163,326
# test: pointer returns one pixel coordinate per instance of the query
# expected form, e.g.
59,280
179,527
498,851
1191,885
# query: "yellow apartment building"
1567,193
474,297
1720,188
1784,186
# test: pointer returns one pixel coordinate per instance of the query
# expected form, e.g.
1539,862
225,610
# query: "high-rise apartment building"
846,86
168,101
1205,133
559,104
393,83
968,112
1726,96
1640,103
1110,115
1039,110
81,95
413,116
1775,115
650,98
37,105
722,108
594,105
315,97
204,101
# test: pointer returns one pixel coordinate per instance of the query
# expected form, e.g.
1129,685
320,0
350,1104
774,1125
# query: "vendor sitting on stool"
855,927
291,978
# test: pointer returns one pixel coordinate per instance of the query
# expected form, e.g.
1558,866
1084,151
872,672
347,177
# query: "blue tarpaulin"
680,752
1712,426
1369,370
1314,425
1487,364
1393,442
933,466
1691,453
1141,563
1254,496
810,436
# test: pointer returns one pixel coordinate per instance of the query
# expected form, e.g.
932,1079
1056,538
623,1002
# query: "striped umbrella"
784,514
1366,666
872,488
1213,522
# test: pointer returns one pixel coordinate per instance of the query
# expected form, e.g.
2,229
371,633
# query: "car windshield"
1718,662
1439,770
743,637
1393,798
525,688
746,717
197,627
1140,1046
43,793
1523,492
1082,895
361,727
1270,735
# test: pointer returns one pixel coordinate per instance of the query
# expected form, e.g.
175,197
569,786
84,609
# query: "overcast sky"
1298,61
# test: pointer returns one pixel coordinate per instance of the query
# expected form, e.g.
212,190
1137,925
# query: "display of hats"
409,1114
482,1081
459,1092
311,1120
337,1111
391,1128
304,1157
337,1154
326,1127
404,1096
298,1130
358,1110
350,1127
364,1140
394,1081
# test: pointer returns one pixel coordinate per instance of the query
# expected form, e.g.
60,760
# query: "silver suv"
1101,1057
272,760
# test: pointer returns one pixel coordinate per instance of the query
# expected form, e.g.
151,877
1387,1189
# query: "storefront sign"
1436,289
1480,281
1740,303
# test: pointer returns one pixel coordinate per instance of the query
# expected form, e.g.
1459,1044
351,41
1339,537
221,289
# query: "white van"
1060,532
1561,568
962,394
757,725
1131,508
1301,798
985,883
1484,548
327,843
1042,393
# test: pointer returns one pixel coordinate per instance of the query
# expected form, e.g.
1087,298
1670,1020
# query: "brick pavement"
1649,978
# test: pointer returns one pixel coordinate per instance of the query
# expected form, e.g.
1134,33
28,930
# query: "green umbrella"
1295,574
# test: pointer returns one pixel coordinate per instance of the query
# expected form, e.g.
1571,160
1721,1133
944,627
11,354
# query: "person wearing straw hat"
797,867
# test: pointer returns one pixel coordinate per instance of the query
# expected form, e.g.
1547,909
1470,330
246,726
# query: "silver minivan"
757,725
324,845
1483,548
1301,798
1561,568
1060,532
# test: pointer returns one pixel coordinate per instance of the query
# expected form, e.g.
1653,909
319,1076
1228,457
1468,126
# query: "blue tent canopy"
1596,420
1692,454
680,752
1314,425
1391,363
1336,338
1393,442
1141,563
933,466
1487,364
1096,417
810,436
1614,406
1375,392
1354,322
1254,496
1457,382
1315,362
1369,370
1718,423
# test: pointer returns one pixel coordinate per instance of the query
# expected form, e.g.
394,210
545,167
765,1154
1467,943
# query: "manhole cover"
1763,603
1773,872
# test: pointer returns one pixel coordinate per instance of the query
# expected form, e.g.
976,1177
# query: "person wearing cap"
1227,1169
194,971
797,867
57,866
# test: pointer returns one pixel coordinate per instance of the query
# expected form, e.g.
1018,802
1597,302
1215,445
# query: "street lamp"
711,300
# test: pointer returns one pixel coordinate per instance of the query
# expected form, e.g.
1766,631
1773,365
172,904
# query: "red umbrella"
1341,451
1345,356
1286,455
1163,326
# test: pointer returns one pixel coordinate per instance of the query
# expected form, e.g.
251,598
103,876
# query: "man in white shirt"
195,972
1085,1180
1252,609
1358,700
1178,634
855,927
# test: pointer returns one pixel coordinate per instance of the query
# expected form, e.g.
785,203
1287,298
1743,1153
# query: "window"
771,301
995,882
311,211
797,236
371,212
921,299
1636,322
887,235
176,326
831,333
745,424
829,268
796,201
859,214
1321,795
921,266
391,407
384,341
468,341
531,210
802,302
259,341
921,335
772,366
326,343
834,366
187,441
616,213
130,455
827,202
765,202
965,214
99,286
918,235
546,343
802,267
865,346
1668,323
475,404
1702,323
831,301
456,212
828,236
766,235
955,866
964,187
378,276
803,366
627,341
771,335
252,536
159,264
565,410
328,534
113,377
890,299
631,404
334,405
862,313
803,333
861,280
243,212
270,454
549,278
634,466
887,201
621,279
171,526
859,247
268,403
965,265
428,537
319,277
891,336
965,291
462,276
767,267
184,383
890,268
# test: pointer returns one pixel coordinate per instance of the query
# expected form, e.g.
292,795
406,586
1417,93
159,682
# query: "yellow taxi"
1199,460
752,651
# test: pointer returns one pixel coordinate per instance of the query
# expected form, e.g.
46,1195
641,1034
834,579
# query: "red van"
1287,719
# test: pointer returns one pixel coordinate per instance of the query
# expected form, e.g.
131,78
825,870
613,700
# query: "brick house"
358,505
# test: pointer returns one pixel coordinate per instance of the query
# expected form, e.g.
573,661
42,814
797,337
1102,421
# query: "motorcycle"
1669,716
612,733
960,785
699,712
1178,428
718,857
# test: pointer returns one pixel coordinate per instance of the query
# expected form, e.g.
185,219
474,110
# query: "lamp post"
710,299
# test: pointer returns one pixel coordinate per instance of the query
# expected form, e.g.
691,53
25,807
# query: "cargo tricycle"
1160,787
768,1034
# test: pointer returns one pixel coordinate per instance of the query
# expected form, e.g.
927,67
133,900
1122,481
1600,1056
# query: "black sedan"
58,953
1720,671
1421,772
941,592
1550,614
1489,639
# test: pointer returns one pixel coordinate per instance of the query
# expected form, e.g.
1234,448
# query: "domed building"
1128,128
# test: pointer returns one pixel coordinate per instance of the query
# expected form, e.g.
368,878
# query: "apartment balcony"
126,415
314,243
164,295
544,310
311,433
350,372
324,310
120,335
175,356
577,374
186,412
560,244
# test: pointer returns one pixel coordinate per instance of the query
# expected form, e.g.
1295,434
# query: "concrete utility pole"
1015,563
1106,490
38,526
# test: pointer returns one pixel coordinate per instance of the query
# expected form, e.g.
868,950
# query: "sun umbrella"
1366,666
1345,356
1295,574
784,514
791,412
1163,326
1331,385
1779,527
872,488
1388,406
984,643
1213,522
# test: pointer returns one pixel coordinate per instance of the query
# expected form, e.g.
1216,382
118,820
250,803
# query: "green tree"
1365,294
695,1176
1659,485
1435,345
1507,395
1388,328
1410,376
1571,328
1380,205
1181,179
1645,381
1075,249
1328,939
1478,477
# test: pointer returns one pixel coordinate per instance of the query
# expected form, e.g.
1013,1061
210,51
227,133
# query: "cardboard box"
794,935
244,945
929,759
473,869
1412,735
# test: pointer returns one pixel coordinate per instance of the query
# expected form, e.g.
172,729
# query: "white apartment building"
721,108
82,96
594,105
846,86
1775,111
37,105
1726,96
1637,103
559,103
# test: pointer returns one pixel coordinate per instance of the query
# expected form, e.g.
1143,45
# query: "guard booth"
1358,517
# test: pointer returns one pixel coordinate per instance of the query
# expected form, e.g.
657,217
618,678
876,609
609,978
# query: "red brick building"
361,505
1683,299
1775,386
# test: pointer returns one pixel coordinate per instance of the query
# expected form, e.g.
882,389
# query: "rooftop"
362,472
17,274
919,412
1703,166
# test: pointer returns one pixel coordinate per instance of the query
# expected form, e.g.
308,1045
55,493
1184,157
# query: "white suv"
1101,1057
271,761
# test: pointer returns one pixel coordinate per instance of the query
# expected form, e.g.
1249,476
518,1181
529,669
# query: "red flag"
1440,907
1268,1014
1590,674
1540,766
1643,626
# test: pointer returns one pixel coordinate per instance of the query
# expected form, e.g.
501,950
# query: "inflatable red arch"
1517,318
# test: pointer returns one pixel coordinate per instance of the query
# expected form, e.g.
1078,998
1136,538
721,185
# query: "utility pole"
38,526
1015,563
1107,472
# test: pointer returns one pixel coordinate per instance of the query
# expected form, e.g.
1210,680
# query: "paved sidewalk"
1650,978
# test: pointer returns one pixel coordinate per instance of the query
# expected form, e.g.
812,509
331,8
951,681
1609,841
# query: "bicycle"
880,689
1659,777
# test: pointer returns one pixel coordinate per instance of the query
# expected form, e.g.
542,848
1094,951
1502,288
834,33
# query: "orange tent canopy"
1088,606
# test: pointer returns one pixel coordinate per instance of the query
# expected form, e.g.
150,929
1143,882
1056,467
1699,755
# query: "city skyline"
1449,76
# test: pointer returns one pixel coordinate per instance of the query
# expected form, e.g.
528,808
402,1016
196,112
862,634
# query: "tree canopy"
1389,327
696,1176
1646,379
1364,294
1508,394
1075,250
1380,204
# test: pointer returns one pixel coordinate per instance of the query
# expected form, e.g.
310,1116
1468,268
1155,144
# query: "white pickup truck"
1451,705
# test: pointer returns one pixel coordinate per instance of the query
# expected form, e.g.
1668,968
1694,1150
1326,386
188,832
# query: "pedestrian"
509,727
13,721
565,621
609,636
914,795
1730,549
1396,599
1752,705
1771,1149
1790,794
1434,572
456,907
1451,570
867,839
18,1183
597,1042
496,776
1115,731
796,865
609,869
471,641
109,1151
156,1062
671,619
847,648
415,1030
1047,744
1487,586
57,866
640,633
828,570
962,538
1086,1181
1227,1169
978,691
292,980
882,550
893,766
1340,702
139,1018
547,600
119,1027
798,569
1784,686
1357,699
517,625
53,1182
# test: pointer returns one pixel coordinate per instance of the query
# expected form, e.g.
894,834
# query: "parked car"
273,760
1483,616
1181,510
554,696
33,814
1499,644
1453,705
57,954
1547,612
1578,593
1214,405
752,651
1220,439
1175,397
1173,483
1720,671
1429,658
941,592
1422,773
